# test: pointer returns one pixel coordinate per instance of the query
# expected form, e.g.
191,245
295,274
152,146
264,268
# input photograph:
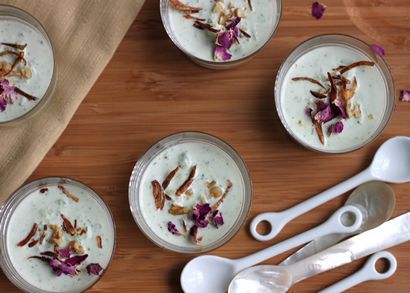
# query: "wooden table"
150,90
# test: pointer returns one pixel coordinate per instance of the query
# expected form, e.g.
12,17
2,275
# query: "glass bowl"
10,211
343,41
140,185
164,10
30,24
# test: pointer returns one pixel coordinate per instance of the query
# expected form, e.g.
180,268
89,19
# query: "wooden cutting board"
150,90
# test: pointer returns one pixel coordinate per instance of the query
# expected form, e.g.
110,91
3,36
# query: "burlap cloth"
85,34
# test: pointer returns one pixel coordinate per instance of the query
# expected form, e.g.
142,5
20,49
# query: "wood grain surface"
150,90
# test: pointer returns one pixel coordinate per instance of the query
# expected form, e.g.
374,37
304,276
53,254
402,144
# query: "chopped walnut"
76,246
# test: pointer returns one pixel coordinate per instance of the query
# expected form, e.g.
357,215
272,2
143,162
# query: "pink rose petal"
221,54
336,128
378,49
173,229
318,9
94,269
405,95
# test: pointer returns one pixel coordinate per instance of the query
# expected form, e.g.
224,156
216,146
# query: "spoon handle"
366,273
333,225
278,220
391,233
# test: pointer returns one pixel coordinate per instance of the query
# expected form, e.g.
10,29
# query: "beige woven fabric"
85,34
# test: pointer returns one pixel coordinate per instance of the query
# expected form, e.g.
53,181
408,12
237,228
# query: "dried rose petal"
221,54
76,260
62,268
94,269
325,115
341,107
320,105
173,229
233,23
378,49
3,103
405,95
217,219
318,9
309,111
194,234
200,213
64,252
336,128
224,39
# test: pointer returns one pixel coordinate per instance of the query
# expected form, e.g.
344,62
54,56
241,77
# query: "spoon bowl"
207,273
391,162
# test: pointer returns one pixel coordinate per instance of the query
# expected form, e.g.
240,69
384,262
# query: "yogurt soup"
333,98
191,194
222,30
26,67
60,238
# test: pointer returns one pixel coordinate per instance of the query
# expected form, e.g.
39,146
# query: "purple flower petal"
200,213
3,103
378,49
341,107
76,260
94,269
318,10
325,115
309,111
224,40
336,128
405,95
173,229
233,23
62,268
217,219
321,105
221,54
64,252
193,231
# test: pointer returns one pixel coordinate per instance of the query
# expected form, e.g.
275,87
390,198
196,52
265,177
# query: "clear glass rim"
164,5
9,207
356,44
151,153
12,11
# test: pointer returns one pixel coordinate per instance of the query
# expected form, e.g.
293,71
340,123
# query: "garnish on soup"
223,22
197,216
19,69
334,100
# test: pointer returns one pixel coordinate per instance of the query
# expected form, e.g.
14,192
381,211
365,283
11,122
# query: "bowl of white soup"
27,66
333,94
190,192
223,33
57,235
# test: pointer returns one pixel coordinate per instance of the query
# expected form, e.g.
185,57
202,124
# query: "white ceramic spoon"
367,273
391,163
210,273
